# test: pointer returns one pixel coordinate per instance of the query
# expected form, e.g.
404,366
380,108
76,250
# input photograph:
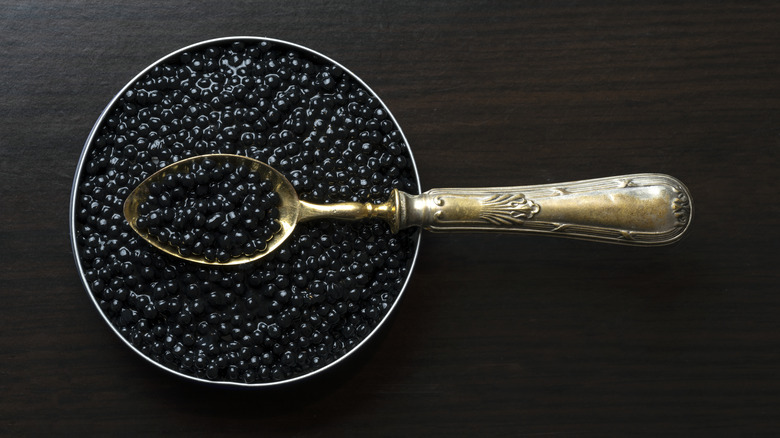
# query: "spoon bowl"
289,206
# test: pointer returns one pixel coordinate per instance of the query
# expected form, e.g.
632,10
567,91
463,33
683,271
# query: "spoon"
640,209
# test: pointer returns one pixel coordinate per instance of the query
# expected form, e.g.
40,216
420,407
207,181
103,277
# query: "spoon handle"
641,209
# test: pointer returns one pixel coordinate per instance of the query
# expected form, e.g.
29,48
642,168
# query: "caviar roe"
211,209
318,295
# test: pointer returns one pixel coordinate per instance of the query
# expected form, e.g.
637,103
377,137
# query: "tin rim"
77,179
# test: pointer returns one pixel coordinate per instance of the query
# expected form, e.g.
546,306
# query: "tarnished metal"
641,209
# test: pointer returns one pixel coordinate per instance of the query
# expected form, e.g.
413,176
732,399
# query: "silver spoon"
641,209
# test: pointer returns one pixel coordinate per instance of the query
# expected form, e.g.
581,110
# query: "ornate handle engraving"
507,209
641,209
497,210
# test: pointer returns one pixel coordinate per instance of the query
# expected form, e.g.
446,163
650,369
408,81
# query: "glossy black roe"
211,209
281,317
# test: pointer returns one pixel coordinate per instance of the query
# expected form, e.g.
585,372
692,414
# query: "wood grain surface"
496,335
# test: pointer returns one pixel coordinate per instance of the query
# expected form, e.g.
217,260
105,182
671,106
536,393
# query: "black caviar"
211,209
313,299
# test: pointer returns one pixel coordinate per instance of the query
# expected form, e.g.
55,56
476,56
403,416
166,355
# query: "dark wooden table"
496,335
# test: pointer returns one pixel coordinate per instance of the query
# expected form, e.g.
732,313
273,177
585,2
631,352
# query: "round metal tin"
89,145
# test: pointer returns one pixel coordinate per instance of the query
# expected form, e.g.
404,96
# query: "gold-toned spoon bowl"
640,209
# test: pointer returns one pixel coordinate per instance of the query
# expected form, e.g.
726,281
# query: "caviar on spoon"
224,209
212,209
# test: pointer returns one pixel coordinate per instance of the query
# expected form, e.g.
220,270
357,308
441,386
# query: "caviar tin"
320,297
